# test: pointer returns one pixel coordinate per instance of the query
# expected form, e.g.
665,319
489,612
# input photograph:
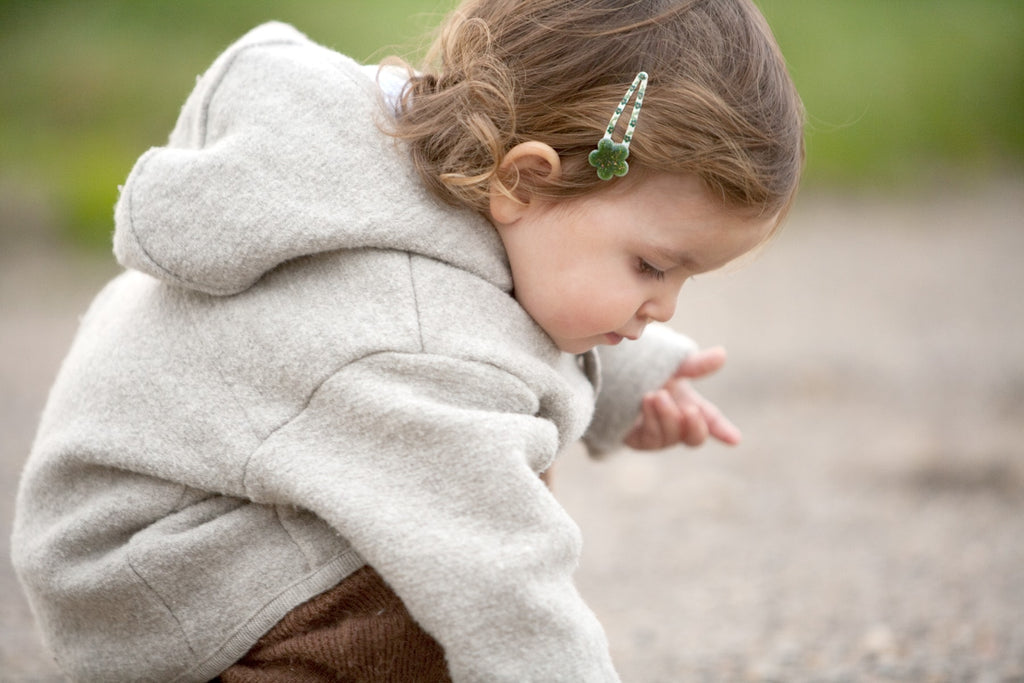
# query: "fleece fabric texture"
308,366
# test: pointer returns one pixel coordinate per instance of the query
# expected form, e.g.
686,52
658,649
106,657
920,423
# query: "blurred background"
871,528
900,95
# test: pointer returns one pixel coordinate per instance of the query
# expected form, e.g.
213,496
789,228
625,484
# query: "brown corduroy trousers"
357,632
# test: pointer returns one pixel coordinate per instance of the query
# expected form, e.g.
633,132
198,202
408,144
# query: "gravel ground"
871,526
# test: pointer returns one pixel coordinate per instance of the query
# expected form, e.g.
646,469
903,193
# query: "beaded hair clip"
610,157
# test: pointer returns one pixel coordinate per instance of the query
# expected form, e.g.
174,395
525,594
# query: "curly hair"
720,103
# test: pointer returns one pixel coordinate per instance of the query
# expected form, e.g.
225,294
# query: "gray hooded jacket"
309,365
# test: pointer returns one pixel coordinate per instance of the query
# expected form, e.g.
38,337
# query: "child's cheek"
588,317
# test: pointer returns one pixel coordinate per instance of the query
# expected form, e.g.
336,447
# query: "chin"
572,345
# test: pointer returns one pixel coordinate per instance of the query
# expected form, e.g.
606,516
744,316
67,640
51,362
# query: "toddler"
299,438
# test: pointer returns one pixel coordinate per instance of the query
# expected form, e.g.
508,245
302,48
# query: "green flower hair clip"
610,157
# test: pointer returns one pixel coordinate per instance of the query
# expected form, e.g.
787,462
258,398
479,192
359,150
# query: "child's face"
596,269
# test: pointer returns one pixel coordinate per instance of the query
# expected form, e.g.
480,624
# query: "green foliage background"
900,93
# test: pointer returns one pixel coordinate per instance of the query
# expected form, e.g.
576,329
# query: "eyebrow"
680,258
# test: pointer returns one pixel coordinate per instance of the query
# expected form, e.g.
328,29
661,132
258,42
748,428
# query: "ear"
527,159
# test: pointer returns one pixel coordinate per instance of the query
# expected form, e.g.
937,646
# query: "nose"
660,307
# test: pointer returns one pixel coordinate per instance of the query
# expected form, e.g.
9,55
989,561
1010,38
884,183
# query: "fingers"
712,421
702,363
667,414
665,423
666,420
677,413
694,429
679,422
654,428
719,426
648,433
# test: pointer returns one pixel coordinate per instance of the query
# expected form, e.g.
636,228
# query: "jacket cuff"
628,371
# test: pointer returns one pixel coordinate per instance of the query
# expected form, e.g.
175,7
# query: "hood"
278,154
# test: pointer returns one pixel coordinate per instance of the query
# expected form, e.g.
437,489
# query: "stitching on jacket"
316,390
215,359
350,554
140,166
415,303
424,354
201,126
204,106
140,577
176,506
288,532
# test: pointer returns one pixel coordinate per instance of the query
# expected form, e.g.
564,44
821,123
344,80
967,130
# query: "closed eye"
647,270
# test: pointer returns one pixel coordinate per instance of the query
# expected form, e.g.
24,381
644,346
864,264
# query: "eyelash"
647,270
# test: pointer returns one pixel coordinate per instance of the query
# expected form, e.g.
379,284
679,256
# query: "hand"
676,413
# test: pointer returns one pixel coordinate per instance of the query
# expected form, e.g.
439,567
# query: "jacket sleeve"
428,465
628,371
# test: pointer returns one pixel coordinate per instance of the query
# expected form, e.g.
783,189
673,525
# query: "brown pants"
357,632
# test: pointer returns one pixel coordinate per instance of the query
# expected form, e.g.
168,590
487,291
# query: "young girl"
300,437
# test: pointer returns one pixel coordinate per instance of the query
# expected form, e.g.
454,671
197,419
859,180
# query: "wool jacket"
309,364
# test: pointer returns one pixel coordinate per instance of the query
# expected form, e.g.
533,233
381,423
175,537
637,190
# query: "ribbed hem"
235,647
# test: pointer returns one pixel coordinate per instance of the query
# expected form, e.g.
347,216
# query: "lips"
614,338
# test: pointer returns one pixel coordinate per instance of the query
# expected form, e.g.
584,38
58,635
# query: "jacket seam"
415,303
228,386
202,126
163,603
130,185
291,536
361,359
347,562
316,390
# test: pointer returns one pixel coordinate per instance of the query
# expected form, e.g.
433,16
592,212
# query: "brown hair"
719,104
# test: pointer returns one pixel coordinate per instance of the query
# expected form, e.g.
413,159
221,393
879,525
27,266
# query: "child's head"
719,103
522,92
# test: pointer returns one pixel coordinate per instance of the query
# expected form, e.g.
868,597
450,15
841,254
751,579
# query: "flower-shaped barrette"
610,157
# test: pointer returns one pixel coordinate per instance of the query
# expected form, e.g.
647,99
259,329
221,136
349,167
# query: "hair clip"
610,157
